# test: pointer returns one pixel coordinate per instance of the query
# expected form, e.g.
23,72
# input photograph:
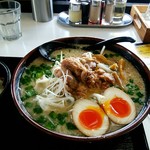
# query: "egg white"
113,92
83,104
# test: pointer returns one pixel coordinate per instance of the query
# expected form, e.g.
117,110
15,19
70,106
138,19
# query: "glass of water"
10,17
119,11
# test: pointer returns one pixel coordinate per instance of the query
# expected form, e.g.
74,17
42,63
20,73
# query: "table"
36,33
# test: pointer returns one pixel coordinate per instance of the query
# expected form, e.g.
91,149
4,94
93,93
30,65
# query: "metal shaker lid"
109,1
75,5
95,2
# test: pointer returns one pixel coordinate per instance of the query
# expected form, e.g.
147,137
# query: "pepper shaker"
94,11
109,10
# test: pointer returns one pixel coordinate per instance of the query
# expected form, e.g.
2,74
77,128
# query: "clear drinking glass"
119,11
10,17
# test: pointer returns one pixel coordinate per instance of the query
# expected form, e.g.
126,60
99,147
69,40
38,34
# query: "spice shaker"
94,11
109,10
75,13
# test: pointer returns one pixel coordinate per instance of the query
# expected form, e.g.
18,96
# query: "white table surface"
36,33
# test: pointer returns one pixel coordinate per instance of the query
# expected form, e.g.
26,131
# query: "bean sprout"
55,95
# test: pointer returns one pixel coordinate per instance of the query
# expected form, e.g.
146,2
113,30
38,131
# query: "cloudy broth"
60,120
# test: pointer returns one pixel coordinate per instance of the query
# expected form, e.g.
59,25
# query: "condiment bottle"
94,11
102,9
109,10
75,13
85,7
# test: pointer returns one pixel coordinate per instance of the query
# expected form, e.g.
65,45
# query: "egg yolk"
120,107
91,119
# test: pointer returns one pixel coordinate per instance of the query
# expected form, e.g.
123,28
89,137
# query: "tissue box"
141,25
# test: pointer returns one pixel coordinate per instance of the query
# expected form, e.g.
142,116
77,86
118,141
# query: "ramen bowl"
5,77
31,102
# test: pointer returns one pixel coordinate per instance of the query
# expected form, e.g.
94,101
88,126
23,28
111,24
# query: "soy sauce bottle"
85,7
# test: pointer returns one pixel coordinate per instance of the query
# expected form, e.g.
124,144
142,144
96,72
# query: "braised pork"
84,75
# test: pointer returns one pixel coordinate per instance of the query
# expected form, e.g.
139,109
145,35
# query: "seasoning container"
94,11
75,12
42,10
85,7
102,9
109,11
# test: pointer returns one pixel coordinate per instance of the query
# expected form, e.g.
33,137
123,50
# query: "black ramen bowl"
126,53
5,77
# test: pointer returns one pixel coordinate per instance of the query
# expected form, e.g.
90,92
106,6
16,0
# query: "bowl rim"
8,76
127,128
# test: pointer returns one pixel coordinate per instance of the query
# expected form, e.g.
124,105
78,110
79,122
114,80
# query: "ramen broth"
60,120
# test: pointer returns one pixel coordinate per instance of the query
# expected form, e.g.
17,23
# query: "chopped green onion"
71,126
28,105
50,125
41,119
53,115
134,90
37,109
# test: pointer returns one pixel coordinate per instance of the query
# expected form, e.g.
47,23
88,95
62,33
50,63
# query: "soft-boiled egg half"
90,118
118,106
